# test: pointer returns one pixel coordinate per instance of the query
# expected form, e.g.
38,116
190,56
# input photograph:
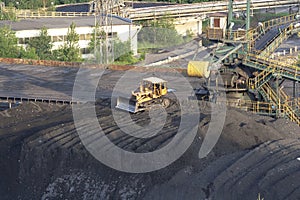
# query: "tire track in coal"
293,190
131,143
249,173
262,163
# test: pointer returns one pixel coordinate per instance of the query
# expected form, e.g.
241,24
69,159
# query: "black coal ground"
42,157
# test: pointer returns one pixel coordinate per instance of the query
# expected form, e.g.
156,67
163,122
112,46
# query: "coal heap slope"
42,154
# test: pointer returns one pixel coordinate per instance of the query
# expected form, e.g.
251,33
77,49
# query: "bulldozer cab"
156,87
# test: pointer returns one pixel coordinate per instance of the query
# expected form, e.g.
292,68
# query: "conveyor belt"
268,37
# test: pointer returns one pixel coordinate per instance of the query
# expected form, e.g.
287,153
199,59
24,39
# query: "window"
26,40
82,37
21,40
58,38
217,22
85,51
112,34
88,36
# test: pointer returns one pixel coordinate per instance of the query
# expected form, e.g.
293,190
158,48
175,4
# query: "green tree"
159,33
42,45
122,52
9,46
8,13
8,43
28,53
96,37
70,51
98,44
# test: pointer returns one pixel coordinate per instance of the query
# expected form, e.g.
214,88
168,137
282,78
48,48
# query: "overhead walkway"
277,68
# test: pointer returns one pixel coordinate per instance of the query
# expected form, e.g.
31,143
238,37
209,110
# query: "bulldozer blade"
127,104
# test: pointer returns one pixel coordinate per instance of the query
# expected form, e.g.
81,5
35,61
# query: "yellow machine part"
198,69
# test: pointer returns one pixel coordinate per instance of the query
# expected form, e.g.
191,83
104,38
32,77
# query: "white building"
217,26
58,29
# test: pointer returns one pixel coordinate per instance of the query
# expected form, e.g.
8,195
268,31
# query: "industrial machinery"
243,57
152,90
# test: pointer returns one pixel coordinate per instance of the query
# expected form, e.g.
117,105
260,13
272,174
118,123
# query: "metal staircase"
262,78
281,102
263,41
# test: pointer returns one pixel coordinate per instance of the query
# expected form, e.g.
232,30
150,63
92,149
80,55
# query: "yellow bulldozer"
152,90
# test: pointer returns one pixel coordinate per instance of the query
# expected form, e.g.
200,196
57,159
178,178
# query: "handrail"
272,96
190,10
23,14
260,78
284,69
214,33
255,33
39,14
236,35
277,41
184,10
269,67
268,108
291,114
258,107
284,96
281,102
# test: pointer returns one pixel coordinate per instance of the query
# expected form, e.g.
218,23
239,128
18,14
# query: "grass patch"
262,17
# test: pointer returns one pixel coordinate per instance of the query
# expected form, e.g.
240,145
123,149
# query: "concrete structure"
217,26
58,29
191,24
203,8
218,21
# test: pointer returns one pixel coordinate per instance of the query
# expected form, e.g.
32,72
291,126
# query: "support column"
278,113
248,16
230,10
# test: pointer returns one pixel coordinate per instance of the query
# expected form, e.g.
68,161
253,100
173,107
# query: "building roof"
154,80
218,14
79,7
59,22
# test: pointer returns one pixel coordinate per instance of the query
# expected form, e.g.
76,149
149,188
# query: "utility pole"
248,16
229,17
230,11
103,14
